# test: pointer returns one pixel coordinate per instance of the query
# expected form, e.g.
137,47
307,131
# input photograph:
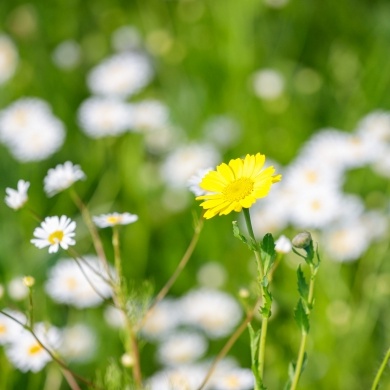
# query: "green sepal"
237,233
301,317
265,310
268,253
303,287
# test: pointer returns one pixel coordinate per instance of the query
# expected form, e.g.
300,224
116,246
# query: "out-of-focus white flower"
16,199
215,312
10,329
163,140
212,274
181,348
381,164
78,343
62,177
185,161
105,116
55,232
82,284
114,317
234,379
163,318
268,84
8,58
376,126
126,38
16,289
222,131
30,130
67,54
346,241
188,377
114,219
121,75
375,223
194,181
283,245
149,115
276,4
27,354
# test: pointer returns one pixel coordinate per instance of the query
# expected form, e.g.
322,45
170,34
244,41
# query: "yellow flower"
236,185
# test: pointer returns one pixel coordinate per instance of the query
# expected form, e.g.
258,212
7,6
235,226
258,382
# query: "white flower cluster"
30,130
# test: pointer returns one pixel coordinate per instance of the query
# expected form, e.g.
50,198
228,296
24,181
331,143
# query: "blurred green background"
204,54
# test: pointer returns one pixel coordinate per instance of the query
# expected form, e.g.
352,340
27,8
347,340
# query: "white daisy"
67,55
213,311
114,219
114,317
16,289
150,115
55,232
381,164
78,343
105,116
27,354
10,329
8,58
62,177
234,379
16,199
222,131
121,75
30,131
181,348
375,125
162,320
283,245
268,84
212,274
194,181
80,284
126,38
185,161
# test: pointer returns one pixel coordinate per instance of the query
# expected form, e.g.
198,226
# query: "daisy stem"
120,300
382,368
264,322
302,346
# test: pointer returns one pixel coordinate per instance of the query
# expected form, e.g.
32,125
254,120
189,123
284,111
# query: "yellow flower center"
114,219
56,236
71,283
238,189
3,328
34,349
232,381
311,176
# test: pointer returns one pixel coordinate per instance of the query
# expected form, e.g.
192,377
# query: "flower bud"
302,240
243,293
28,281
127,360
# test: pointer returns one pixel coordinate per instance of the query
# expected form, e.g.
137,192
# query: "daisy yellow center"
112,219
56,237
34,349
3,329
238,189
232,381
316,205
311,176
71,283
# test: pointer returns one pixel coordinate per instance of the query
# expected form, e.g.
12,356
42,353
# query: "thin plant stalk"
120,301
183,262
264,322
302,346
375,384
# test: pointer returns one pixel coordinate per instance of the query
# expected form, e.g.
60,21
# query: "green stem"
302,346
381,370
264,323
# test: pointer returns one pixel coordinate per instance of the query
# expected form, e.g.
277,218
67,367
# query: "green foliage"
114,377
301,317
303,287
248,242
268,254
254,345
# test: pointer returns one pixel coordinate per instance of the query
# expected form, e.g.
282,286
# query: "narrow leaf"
303,287
254,343
301,317
268,252
265,310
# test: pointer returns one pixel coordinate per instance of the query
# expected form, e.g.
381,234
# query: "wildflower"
302,240
16,289
121,75
67,55
213,311
30,130
8,58
27,354
236,185
55,232
283,245
17,198
105,116
62,177
10,329
181,348
113,219
82,284
195,180
29,281
150,115
268,84
234,379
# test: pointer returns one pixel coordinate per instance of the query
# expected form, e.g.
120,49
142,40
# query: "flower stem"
264,323
381,370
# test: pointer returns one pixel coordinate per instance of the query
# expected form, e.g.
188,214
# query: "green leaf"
303,287
268,253
241,237
301,317
265,310
254,343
